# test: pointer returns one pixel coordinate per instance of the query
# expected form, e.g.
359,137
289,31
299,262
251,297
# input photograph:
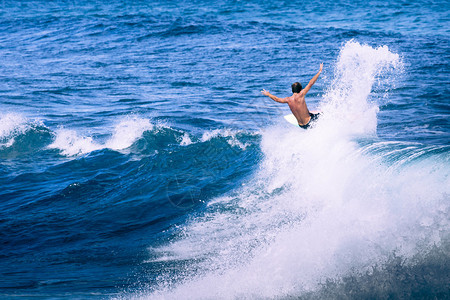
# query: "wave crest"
125,133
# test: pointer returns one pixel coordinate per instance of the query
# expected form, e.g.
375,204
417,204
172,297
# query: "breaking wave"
325,203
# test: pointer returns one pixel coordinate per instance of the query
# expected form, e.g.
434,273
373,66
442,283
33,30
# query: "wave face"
139,160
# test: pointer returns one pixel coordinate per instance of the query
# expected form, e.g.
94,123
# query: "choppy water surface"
138,158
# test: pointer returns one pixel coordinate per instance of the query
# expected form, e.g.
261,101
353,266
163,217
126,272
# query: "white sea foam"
71,143
230,135
320,206
12,125
348,105
289,230
127,131
185,140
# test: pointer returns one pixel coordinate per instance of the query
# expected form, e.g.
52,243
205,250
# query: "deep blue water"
138,158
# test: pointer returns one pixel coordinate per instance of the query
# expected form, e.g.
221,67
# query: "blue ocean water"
138,158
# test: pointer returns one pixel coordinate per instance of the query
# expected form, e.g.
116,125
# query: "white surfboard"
291,119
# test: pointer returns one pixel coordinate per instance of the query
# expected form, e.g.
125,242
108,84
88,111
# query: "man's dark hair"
296,87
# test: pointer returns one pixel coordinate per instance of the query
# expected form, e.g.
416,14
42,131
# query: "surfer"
297,102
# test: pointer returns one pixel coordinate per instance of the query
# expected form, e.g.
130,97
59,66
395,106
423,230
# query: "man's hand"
265,93
274,98
313,80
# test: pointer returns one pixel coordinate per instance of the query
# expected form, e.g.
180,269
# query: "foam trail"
321,204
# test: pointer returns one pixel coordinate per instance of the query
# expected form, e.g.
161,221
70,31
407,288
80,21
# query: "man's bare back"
298,107
297,102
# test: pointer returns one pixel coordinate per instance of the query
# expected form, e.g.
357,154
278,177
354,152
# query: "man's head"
296,87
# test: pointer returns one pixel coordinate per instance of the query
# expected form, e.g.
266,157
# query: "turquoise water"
138,158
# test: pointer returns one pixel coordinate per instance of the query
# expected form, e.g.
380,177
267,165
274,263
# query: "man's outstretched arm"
275,98
313,80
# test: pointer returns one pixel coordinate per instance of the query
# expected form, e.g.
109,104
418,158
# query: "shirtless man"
297,102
